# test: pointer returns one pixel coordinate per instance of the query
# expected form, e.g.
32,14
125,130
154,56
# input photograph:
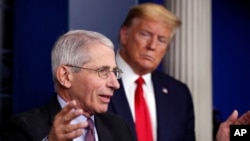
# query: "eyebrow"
108,67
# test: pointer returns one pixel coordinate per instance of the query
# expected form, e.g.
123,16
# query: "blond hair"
152,11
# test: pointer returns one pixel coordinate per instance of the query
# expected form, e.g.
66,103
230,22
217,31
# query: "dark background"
231,55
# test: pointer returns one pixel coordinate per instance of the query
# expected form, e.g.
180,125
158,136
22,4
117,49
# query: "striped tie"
90,135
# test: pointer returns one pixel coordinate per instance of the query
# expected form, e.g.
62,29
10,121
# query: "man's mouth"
148,57
105,98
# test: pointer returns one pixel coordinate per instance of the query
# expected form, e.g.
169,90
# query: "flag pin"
165,90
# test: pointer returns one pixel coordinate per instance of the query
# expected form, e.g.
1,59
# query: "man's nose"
114,83
152,43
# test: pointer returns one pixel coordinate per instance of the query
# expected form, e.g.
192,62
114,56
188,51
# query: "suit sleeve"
15,130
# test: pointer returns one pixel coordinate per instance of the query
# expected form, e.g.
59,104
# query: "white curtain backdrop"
189,58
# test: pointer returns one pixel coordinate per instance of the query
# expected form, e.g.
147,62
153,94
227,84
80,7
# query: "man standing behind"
164,111
156,106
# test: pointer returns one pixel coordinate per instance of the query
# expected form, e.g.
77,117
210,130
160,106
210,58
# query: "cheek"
160,54
87,97
86,87
140,43
93,89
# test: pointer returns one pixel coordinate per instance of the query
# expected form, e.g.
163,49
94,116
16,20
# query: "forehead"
101,55
154,26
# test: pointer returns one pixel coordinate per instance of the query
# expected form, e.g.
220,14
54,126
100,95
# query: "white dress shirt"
129,77
78,119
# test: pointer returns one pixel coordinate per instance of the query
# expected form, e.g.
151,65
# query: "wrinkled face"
144,44
91,92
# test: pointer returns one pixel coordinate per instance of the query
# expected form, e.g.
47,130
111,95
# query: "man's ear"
64,76
123,35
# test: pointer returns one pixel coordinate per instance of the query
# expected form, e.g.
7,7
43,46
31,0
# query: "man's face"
91,92
144,44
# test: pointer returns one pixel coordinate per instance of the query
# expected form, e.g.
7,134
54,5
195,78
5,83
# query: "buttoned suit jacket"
35,125
174,108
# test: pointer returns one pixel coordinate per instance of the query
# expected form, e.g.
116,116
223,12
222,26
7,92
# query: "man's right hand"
62,129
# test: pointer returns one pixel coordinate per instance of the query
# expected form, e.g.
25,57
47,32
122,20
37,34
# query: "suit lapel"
119,104
103,132
163,106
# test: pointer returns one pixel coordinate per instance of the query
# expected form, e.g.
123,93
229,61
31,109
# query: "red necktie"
142,118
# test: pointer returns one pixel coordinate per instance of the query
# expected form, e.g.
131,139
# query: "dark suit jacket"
175,112
35,125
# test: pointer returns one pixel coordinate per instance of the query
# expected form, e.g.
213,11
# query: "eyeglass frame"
118,72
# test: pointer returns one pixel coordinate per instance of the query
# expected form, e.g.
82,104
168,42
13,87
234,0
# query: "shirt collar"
77,119
128,74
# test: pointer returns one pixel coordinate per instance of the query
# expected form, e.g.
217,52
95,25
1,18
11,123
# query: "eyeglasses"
103,72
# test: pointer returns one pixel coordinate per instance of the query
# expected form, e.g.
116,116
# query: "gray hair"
72,49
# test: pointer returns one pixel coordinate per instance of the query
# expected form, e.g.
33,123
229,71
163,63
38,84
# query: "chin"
103,109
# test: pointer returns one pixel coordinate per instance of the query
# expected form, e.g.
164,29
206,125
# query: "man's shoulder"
163,77
37,114
33,116
33,124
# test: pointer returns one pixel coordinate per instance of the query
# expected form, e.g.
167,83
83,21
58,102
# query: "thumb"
232,118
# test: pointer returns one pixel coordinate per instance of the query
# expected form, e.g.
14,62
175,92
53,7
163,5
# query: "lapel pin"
165,90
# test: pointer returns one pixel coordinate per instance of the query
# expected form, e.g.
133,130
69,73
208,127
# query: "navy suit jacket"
175,112
36,124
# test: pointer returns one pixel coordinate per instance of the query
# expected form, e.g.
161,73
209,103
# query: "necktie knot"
90,123
140,81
